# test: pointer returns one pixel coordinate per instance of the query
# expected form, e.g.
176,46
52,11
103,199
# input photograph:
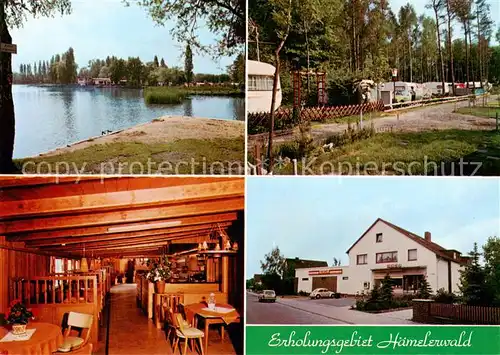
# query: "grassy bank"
184,156
490,111
176,95
422,153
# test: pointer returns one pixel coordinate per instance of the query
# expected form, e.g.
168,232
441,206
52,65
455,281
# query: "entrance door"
330,283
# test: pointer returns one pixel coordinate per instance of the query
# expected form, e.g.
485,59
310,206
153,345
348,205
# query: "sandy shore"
162,130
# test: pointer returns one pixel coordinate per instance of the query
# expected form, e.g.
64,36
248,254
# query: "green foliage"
386,290
18,313
274,262
164,96
424,289
226,19
188,65
18,11
473,281
159,269
272,281
351,135
375,293
443,296
491,254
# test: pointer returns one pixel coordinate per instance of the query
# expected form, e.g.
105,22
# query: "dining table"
45,340
223,314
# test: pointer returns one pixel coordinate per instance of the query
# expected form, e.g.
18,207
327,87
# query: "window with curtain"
260,83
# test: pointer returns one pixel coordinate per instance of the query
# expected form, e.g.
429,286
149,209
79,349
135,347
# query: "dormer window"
379,237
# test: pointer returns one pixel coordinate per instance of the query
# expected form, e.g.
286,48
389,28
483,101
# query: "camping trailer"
436,88
260,87
400,90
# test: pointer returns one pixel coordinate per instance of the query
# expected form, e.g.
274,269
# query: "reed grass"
164,96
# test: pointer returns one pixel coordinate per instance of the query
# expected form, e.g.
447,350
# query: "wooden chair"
186,332
85,350
77,320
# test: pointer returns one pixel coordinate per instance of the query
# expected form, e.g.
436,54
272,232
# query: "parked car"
322,293
267,296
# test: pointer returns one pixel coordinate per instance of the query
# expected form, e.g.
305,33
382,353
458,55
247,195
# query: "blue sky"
320,218
98,28
419,6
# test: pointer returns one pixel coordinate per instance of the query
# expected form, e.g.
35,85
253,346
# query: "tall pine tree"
188,65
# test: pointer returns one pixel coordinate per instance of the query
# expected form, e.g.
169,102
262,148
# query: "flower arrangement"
19,314
159,270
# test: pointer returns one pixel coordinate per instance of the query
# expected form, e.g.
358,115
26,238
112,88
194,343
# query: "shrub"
443,296
424,290
361,305
303,293
289,150
337,295
386,291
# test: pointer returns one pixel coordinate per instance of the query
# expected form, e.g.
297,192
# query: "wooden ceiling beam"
121,199
120,217
116,237
66,235
129,241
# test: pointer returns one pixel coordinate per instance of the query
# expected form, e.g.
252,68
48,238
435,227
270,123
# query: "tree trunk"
470,54
439,47
466,54
411,61
308,62
479,57
273,105
450,48
7,119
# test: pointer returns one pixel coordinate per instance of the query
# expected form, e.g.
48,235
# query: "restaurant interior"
131,265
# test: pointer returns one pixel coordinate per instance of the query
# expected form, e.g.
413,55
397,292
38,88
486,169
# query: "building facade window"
379,237
362,259
260,83
345,278
387,257
305,279
366,285
412,254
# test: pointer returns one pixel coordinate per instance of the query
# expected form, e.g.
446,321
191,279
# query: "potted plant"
19,317
159,272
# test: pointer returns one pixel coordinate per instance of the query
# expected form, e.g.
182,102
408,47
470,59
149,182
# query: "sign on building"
325,272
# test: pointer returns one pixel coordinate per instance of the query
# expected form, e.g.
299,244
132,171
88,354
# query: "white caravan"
436,88
260,87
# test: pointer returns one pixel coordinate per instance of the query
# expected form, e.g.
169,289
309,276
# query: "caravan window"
260,83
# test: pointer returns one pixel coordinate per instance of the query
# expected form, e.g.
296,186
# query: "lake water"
51,117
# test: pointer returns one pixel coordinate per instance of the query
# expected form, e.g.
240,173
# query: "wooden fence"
428,311
467,314
283,118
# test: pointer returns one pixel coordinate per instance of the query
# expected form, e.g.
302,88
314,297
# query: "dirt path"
163,130
435,117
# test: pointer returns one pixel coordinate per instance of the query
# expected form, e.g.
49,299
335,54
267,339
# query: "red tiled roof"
434,247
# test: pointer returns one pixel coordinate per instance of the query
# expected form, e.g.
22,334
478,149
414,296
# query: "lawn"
420,153
185,156
490,111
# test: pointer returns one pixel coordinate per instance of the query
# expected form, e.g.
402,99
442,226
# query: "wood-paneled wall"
15,263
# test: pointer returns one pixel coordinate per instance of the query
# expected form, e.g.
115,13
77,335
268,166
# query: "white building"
260,87
386,249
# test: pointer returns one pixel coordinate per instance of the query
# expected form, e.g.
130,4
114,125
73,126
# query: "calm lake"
51,117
